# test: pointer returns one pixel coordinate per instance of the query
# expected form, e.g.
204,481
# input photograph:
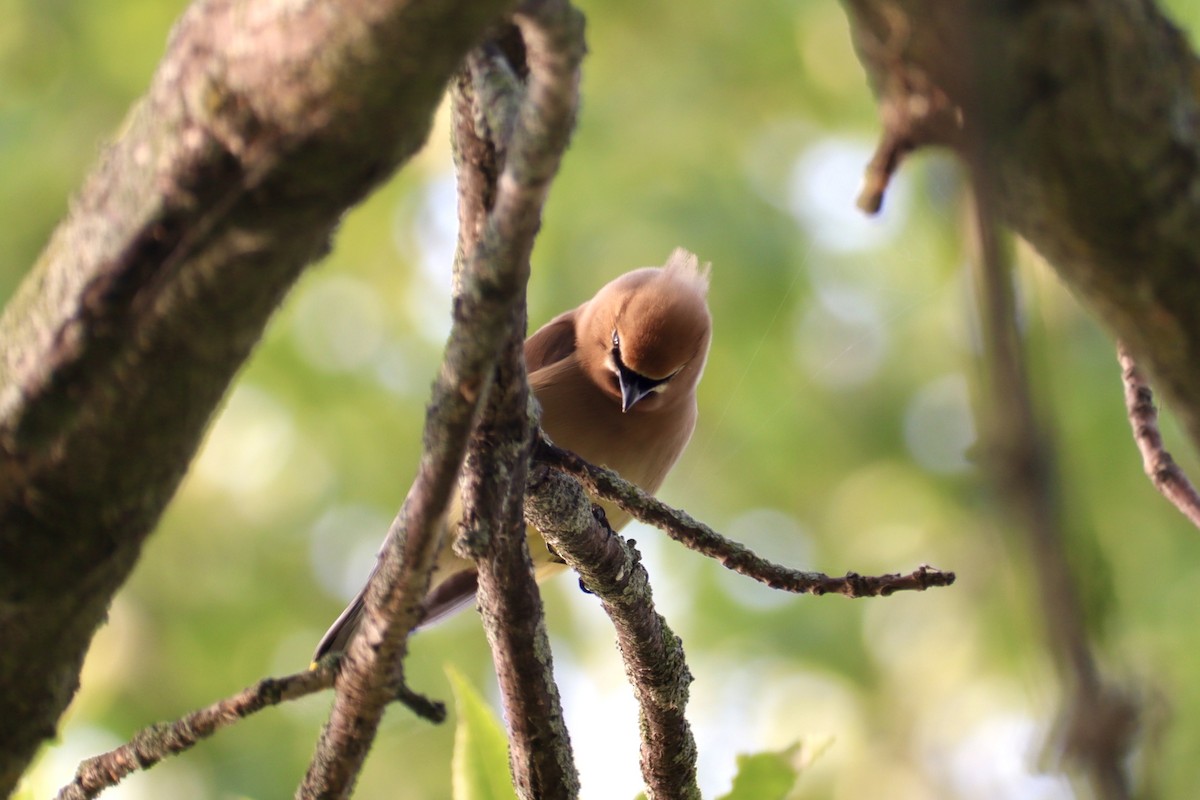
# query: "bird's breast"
641,446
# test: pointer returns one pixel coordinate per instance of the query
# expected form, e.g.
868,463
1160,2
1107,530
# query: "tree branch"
1080,125
1092,128
498,456
1099,719
1162,470
153,744
157,742
610,567
490,287
493,536
263,123
699,537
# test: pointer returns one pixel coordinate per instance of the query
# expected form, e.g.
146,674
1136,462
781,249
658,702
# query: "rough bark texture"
540,754
1088,119
611,568
264,122
486,110
490,287
153,744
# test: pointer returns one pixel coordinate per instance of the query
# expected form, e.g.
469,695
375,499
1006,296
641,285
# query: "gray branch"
157,742
493,128
611,568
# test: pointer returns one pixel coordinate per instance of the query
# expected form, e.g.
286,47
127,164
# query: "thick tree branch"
264,122
699,537
1090,123
1080,124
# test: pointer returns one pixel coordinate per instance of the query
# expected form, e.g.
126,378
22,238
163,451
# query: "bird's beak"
633,387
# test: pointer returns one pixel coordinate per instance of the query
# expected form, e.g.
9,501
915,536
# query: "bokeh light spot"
825,182
338,324
939,427
249,446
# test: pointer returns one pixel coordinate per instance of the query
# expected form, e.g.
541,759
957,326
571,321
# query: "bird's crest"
685,265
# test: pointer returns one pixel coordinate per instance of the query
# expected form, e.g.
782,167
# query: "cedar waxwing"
616,379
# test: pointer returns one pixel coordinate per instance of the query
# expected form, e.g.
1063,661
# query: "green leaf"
766,776
479,769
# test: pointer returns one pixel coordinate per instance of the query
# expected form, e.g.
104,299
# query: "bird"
616,379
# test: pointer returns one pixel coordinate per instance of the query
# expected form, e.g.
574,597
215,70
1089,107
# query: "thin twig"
610,567
1162,470
160,741
699,537
891,149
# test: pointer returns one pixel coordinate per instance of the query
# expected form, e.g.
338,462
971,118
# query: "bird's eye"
616,340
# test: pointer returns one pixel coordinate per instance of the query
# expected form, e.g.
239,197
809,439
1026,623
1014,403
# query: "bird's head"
644,337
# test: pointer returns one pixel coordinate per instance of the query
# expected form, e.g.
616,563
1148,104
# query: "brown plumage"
616,379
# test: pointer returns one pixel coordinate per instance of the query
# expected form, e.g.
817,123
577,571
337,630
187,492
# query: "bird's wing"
449,596
443,600
552,342
342,630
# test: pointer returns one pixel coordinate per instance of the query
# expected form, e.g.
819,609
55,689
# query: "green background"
835,435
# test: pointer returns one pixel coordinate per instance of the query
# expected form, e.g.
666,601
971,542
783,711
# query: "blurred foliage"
480,764
765,776
835,435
